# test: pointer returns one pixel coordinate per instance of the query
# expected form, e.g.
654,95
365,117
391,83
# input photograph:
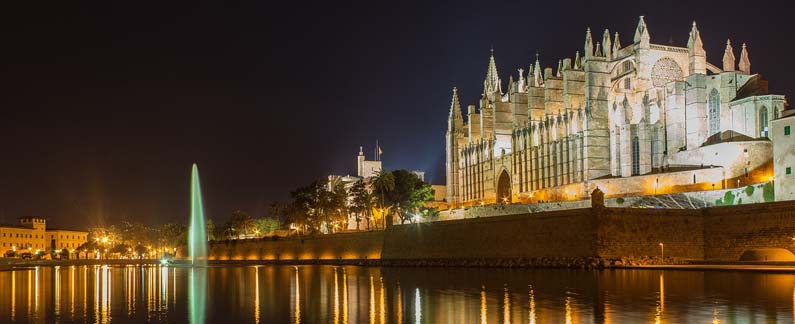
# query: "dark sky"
104,107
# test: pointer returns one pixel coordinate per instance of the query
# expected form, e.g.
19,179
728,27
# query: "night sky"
105,106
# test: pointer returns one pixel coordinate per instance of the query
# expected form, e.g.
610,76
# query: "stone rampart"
566,237
730,230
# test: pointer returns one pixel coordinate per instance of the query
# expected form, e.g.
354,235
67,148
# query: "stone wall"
569,233
349,246
716,233
728,231
638,232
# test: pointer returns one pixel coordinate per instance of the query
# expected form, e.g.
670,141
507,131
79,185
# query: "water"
197,238
328,294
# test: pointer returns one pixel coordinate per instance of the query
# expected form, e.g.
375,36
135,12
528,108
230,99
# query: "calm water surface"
349,294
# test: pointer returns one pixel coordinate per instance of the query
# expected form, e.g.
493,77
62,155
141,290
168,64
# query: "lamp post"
656,184
662,251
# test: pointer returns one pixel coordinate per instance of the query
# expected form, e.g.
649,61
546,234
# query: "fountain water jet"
197,239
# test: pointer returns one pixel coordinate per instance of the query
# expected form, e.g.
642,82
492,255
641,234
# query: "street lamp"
656,183
662,251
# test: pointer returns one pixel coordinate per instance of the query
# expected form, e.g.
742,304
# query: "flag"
380,151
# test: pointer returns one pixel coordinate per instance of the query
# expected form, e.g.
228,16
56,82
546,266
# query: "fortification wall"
718,233
569,233
730,230
346,246
638,232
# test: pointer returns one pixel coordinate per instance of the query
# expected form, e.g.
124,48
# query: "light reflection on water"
340,295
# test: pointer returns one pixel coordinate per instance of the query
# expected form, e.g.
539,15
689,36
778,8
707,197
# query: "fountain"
197,247
197,238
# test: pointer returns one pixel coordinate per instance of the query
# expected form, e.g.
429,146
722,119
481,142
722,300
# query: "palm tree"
383,182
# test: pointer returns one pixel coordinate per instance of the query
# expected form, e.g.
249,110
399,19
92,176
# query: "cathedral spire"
616,45
537,81
492,82
456,120
745,63
728,57
588,43
642,34
577,62
521,80
607,47
598,50
560,67
696,52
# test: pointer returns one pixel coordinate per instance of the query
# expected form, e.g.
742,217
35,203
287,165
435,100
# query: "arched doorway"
504,187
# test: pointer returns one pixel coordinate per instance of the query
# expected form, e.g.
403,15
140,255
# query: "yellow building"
32,235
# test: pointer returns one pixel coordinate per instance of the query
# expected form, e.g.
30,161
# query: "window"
714,112
763,122
635,156
627,84
789,170
626,66
786,130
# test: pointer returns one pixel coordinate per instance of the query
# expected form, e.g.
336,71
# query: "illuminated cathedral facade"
636,119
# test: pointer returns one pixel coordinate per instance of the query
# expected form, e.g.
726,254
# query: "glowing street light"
662,251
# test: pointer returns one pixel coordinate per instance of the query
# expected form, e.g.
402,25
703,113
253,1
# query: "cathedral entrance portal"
504,188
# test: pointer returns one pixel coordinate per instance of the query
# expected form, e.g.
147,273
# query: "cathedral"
631,120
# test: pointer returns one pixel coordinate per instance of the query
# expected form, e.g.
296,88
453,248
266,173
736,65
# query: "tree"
361,202
403,192
210,229
337,206
383,183
173,235
241,223
266,225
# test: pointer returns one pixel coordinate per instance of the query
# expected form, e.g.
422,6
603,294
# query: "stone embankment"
589,238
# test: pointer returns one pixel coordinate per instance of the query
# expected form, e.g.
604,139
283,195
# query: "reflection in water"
372,302
197,294
296,299
399,302
336,298
483,318
660,302
256,294
382,303
280,294
568,309
506,306
13,295
57,291
532,313
72,270
417,307
344,296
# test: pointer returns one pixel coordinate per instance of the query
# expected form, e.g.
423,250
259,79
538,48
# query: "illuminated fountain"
197,247
197,238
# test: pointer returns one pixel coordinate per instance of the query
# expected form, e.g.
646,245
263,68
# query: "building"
632,120
784,155
32,235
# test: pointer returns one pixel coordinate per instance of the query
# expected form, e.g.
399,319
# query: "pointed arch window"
714,112
763,127
635,156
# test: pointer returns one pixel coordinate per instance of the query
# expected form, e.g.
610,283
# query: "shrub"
728,198
767,192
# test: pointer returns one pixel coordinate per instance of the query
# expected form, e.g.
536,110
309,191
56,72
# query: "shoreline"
519,263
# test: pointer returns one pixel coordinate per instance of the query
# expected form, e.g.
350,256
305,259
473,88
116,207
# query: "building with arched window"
634,112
